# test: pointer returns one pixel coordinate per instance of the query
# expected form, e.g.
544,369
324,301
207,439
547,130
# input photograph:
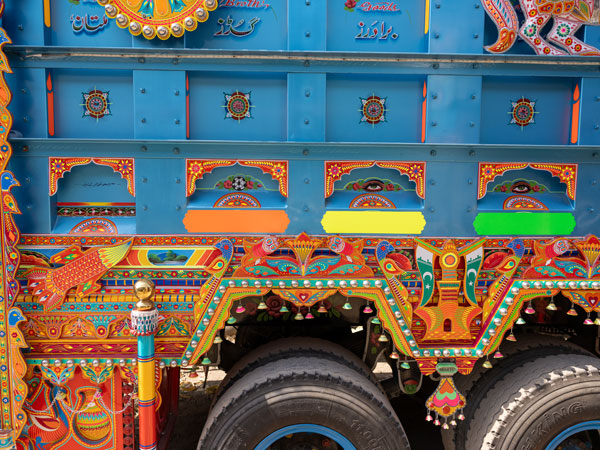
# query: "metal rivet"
306,121
177,121
144,148
307,34
176,93
143,120
305,152
306,181
142,90
433,153
307,94
176,150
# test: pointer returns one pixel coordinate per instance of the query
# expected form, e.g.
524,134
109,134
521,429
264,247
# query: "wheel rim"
305,428
561,441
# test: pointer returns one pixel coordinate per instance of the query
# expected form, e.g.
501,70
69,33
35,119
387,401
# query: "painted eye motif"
373,186
521,187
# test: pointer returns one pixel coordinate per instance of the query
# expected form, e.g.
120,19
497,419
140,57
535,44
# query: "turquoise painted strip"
524,224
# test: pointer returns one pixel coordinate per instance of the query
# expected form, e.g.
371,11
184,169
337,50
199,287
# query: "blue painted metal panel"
24,22
453,108
306,107
589,126
398,27
28,87
403,102
306,200
83,25
32,196
552,97
466,33
160,195
159,105
70,87
307,28
208,106
238,25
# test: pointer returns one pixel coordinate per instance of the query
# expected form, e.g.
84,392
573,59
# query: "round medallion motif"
162,18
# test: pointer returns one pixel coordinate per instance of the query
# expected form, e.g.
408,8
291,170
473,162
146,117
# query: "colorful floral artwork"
237,200
239,183
96,104
523,203
566,173
95,226
568,15
335,170
162,18
123,166
371,201
373,110
197,168
238,106
523,112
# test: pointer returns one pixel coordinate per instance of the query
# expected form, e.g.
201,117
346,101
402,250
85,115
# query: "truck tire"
536,402
293,347
311,392
476,385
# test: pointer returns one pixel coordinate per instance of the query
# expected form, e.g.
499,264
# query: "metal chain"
40,411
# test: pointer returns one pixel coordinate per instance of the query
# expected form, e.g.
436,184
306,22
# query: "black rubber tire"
293,347
302,390
476,385
535,402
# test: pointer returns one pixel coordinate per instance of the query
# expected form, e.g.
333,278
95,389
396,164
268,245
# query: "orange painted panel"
235,221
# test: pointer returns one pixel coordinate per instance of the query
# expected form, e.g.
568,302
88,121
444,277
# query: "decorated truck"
294,191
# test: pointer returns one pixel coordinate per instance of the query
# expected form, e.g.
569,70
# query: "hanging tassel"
231,320
487,364
284,309
375,321
347,305
428,418
240,309
206,361
445,426
511,337
405,365
262,305
298,316
322,309
588,321
521,321
217,340
597,321
394,355
572,311
529,309
309,316
383,338
551,306
461,416
498,355
368,309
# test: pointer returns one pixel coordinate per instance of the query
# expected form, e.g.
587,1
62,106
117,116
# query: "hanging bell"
511,337
436,422
461,417
487,364
322,309
262,305
206,361
521,321
383,338
428,418
445,426
405,365
217,340
572,311
284,309
453,422
240,309
309,316
231,320
588,321
529,309
375,321
347,305
394,355
498,355
597,321
551,306
368,309
298,316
